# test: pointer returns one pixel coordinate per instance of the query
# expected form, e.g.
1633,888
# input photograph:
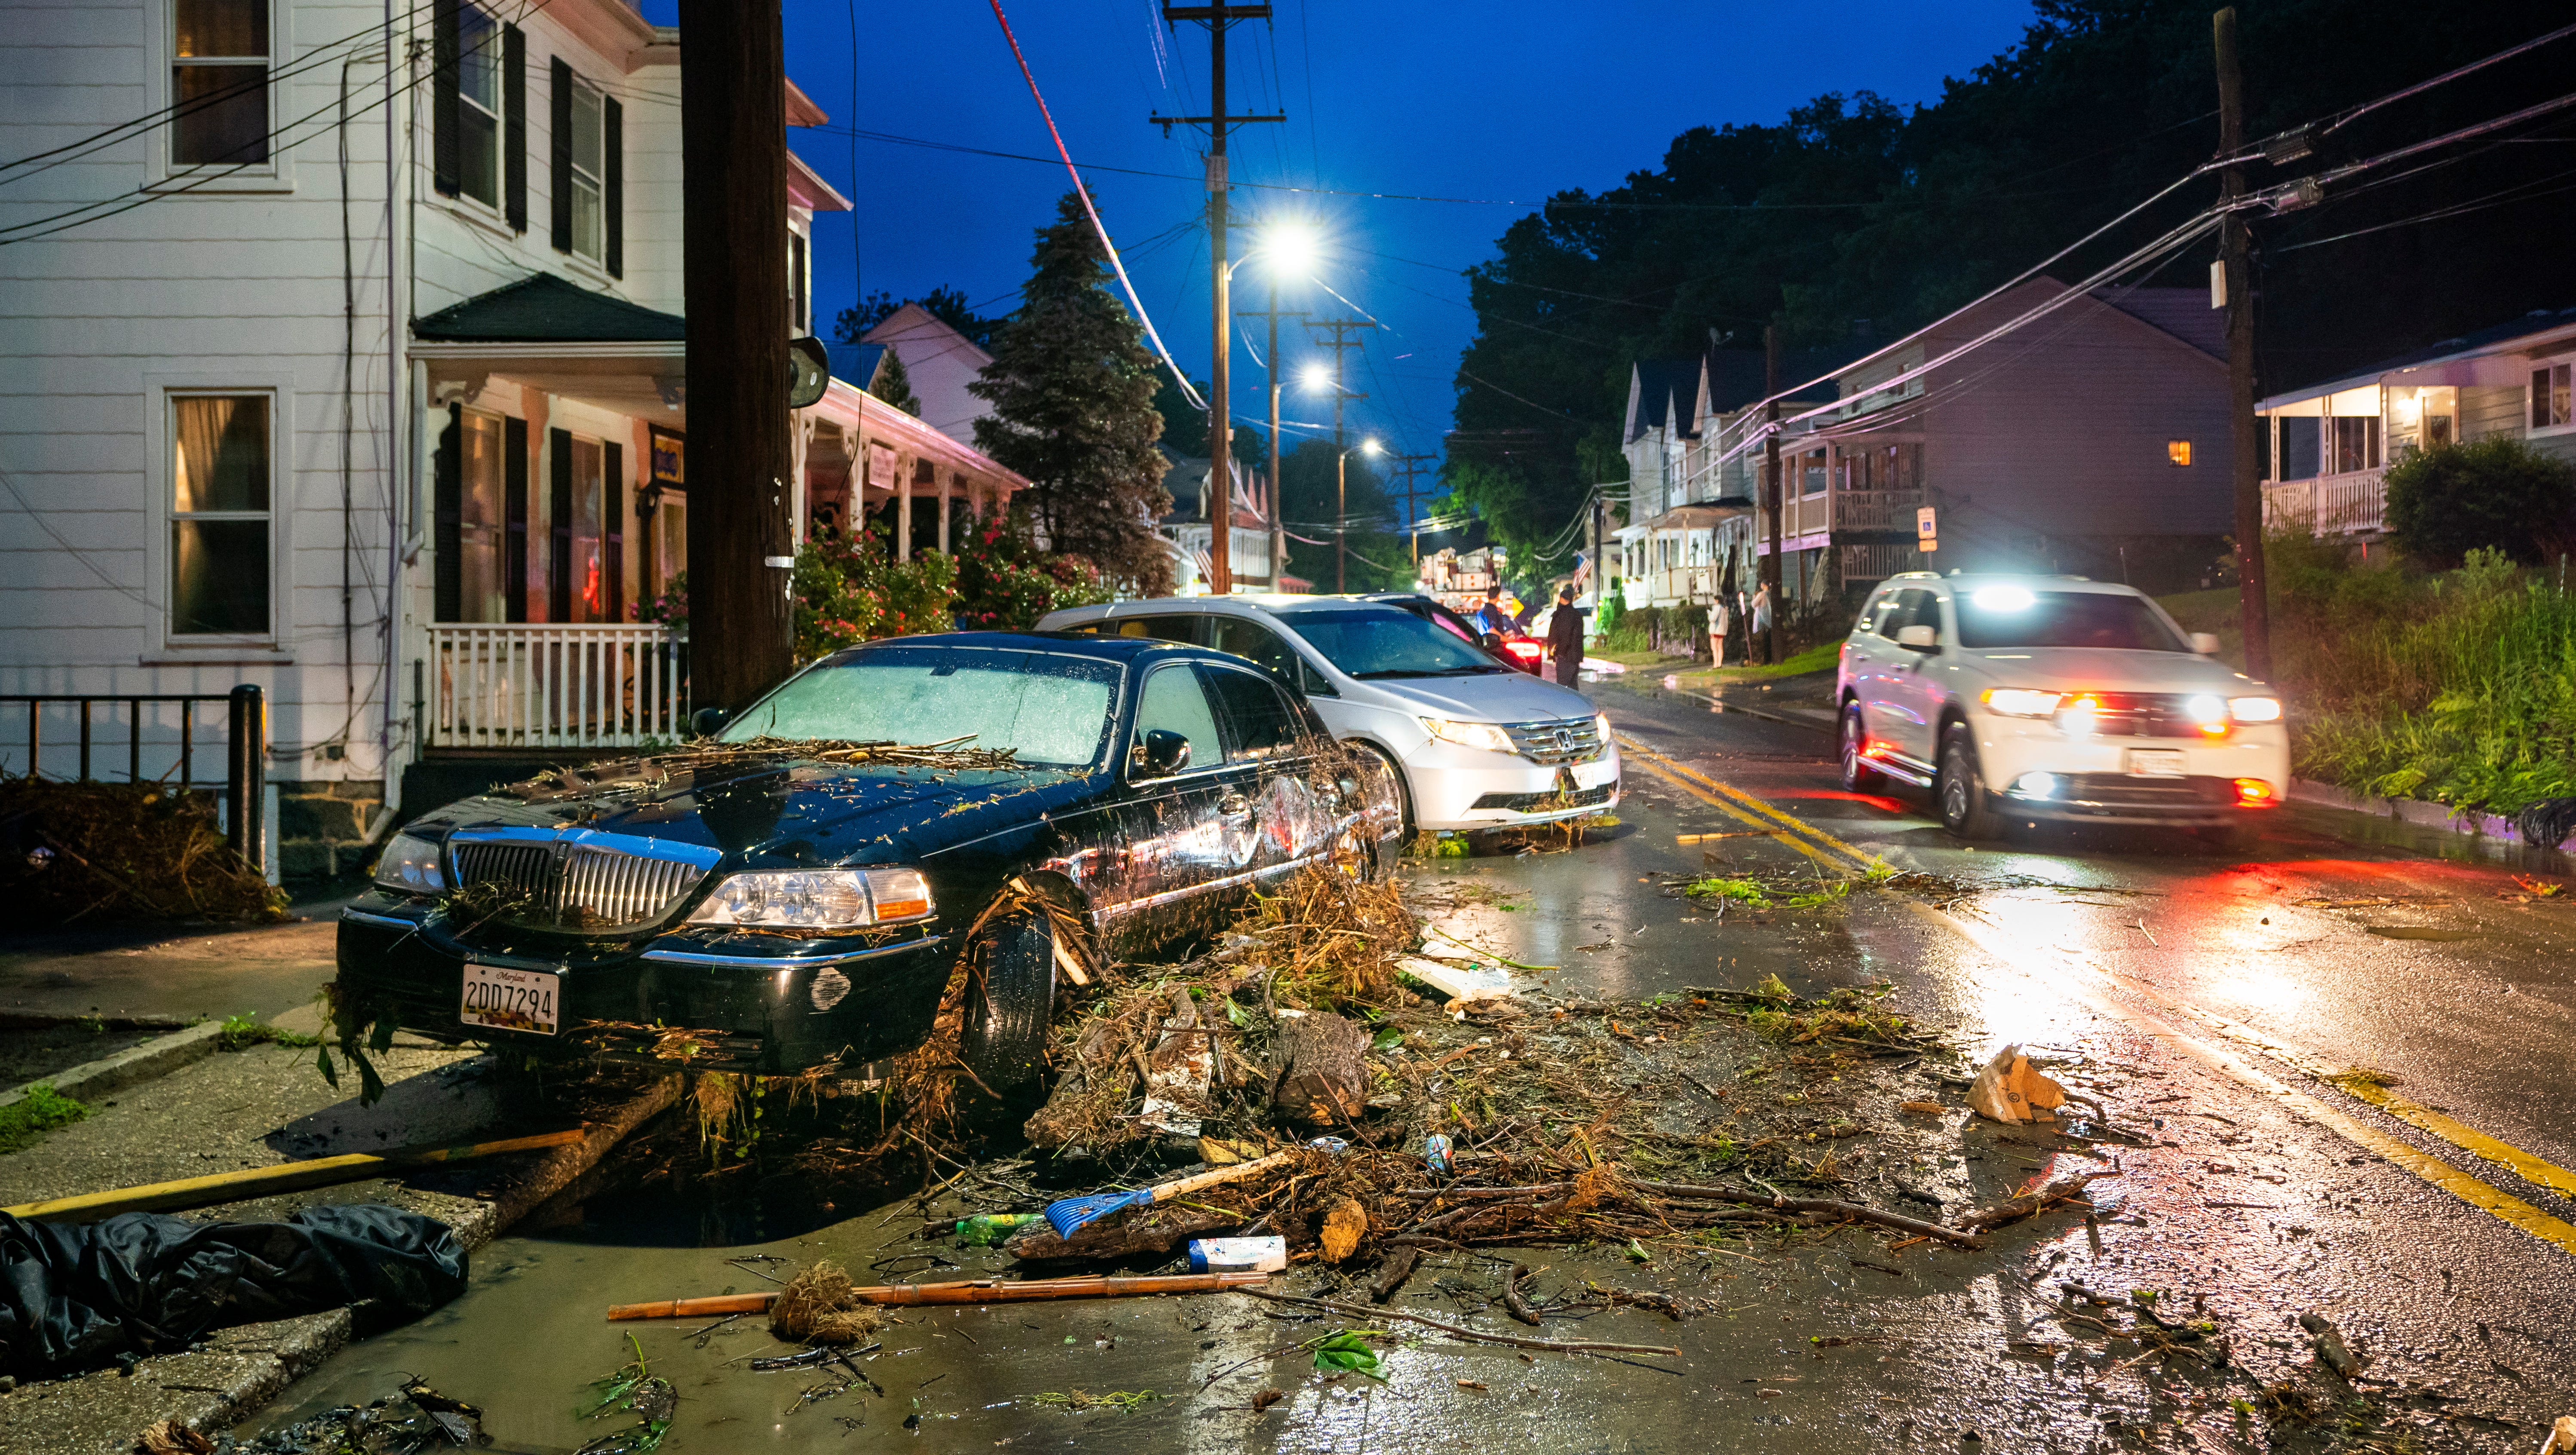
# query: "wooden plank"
253,1182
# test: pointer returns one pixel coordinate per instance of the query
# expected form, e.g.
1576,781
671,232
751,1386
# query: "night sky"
1505,101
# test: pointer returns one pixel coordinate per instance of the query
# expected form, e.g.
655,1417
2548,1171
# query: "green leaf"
1386,1040
1346,1350
322,1063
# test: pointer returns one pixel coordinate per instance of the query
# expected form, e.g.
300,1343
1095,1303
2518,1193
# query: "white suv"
2018,698
1473,743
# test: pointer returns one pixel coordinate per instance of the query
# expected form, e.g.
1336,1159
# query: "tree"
946,304
1072,390
894,386
2497,494
1185,429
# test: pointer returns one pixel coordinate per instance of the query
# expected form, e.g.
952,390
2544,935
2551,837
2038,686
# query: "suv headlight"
1488,736
411,866
2254,709
2022,701
818,899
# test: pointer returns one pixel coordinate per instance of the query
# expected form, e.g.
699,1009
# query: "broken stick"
1560,1346
1831,1207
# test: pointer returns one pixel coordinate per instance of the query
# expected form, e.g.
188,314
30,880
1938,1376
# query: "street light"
1290,249
1342,512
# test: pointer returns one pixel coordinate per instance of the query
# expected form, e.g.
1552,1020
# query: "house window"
483,592
2178,452
478,111
219,514
587,176
2551,402
2356,443
219,82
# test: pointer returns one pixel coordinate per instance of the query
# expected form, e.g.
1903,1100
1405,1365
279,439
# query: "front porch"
2351,503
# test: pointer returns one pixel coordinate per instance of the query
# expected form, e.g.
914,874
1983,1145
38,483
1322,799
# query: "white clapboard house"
405,446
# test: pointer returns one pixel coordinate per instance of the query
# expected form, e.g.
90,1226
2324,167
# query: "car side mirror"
2205,643
1162,754
706,722
1491,641
1919,638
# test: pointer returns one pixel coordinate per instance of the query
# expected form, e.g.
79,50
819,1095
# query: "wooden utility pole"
1278,522
1221,278
1412,465
1771,487
2236,244
733,148
1341,343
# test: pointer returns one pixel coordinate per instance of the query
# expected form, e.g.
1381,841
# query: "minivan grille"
587,889
1563,740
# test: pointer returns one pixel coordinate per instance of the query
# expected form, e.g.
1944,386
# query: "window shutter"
446,138
559,552
447,576
514,508
559,156
612,186
514,126
612,529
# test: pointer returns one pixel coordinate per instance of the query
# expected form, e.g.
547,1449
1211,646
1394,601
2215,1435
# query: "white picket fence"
618,684
2329,505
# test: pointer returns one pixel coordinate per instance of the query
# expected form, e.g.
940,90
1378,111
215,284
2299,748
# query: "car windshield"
1053,710
1386,641
2016,616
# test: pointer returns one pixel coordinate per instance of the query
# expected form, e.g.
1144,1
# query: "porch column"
902,510
800,444
944,487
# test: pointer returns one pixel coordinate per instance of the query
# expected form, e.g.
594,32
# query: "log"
1830,1207
1397,1267
973,1290
1319,1071
1155,1229
2072,1185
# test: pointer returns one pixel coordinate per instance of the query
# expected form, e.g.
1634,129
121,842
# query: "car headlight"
411,866
1485,735
2254,709
2022,701
1601,723
818,899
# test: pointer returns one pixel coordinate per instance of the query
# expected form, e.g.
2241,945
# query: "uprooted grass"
124,851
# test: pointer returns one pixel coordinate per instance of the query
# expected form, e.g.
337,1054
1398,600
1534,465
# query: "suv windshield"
2016,616
1386,641
1053,711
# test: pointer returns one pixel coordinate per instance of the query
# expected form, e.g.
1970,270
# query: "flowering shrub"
1005,582
849,590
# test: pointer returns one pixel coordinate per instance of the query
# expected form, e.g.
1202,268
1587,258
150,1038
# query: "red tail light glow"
2255,793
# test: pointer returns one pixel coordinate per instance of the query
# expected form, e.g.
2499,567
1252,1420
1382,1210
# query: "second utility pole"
2253,606
1771,492
1220,435
1341,343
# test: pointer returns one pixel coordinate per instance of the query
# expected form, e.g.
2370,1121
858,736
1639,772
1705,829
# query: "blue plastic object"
1072,1213
1435,1151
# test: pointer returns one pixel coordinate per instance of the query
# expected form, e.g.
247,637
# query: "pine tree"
1072,389
894,386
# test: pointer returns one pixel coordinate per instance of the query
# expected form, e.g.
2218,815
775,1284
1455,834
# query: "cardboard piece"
2009,1090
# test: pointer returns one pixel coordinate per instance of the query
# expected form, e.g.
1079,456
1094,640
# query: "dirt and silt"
1774,1205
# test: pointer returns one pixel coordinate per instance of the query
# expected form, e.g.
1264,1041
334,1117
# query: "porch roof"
2452,360
543,308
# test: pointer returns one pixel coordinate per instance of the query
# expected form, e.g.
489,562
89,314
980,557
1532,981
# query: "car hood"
783,810
2078,668
1494,697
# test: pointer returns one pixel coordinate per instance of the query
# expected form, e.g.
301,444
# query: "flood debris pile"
79,852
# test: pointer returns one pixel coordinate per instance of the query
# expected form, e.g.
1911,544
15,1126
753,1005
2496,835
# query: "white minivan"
2018,698
1475,744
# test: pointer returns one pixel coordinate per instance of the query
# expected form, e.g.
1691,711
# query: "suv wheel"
1960,793
1858,776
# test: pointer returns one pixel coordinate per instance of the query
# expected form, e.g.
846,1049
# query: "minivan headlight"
411,866
1485,735
818,899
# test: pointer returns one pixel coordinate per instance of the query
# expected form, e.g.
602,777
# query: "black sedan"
785,896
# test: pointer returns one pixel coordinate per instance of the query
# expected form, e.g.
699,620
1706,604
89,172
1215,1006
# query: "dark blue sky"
1507,100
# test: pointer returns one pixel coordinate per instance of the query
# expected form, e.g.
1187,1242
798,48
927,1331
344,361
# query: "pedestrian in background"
1491,617
1565,637
1760,620
1717,623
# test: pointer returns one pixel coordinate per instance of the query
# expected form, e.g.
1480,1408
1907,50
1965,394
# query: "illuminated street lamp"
1342,512
1290,249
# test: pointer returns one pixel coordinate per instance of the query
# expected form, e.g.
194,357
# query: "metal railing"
519,686
245,749
2352,503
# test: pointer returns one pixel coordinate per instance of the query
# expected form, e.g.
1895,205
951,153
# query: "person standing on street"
1491,617
1717,623
1760,618
1565,637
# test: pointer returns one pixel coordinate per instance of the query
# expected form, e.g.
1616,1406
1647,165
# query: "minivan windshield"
1378,642
2016,616
1053,710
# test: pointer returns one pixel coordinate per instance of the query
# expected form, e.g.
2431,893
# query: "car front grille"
2123,790
1561,740
575,885
1544,802
2143,715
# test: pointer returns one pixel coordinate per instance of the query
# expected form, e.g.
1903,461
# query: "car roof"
1280,604
2030,580
1065,643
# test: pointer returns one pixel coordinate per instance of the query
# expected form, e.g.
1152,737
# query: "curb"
2416,811
154,1058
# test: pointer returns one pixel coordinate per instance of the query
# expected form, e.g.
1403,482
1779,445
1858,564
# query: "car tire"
1394,781
1858,776
1373,858
1010,997
1959,792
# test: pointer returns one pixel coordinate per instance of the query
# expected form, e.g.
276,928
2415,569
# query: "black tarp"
75,1297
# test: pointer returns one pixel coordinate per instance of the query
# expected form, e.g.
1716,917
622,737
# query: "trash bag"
74,1297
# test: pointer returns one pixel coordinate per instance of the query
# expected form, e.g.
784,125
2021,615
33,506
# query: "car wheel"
1010,997
1858,776
1958,790
1386,816
1384,789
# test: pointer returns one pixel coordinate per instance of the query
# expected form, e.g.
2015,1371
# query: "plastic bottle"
983,1230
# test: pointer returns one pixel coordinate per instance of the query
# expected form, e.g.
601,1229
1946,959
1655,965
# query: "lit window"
219,514
2552,401
588,174
478,113
2178,451
219,83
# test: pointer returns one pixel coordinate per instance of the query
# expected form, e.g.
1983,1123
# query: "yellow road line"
1690,777
2480,1195
1767,830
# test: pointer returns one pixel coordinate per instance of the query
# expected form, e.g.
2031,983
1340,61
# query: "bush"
121,851
2498,494
850,590
1005,583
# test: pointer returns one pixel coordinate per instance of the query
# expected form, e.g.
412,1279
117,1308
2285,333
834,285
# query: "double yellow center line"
1743,807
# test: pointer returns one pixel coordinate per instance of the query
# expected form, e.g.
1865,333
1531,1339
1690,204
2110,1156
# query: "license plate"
2156,762
510,1000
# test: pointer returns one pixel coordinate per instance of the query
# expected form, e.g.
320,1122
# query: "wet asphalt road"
2202,996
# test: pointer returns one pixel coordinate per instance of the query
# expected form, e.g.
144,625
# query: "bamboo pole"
253,1182
975,1290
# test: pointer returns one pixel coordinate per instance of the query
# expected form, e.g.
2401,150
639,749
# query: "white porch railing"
1681,584
2329,505
619,684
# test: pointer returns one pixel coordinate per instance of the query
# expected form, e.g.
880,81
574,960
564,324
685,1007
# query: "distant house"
2327,447
1187,526
940,362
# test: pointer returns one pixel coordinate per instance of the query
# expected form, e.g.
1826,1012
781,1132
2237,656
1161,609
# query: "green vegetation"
2496,494
240,1032
24,1122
